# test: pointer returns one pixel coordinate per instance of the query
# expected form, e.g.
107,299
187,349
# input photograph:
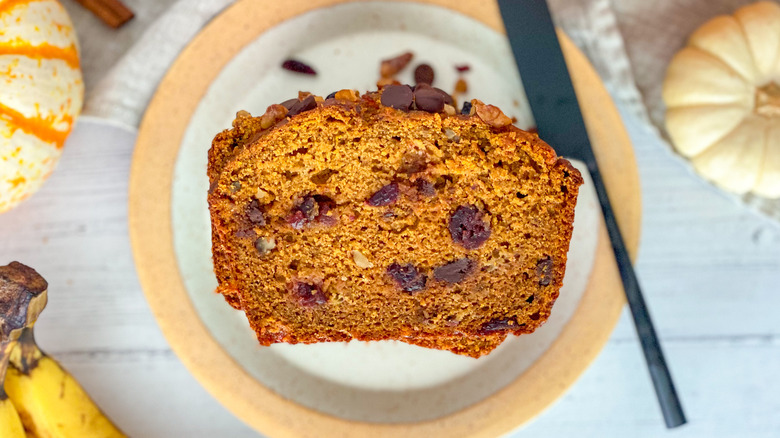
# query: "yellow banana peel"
10,424
50,402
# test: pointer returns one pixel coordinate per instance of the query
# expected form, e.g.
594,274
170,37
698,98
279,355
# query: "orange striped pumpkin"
41,93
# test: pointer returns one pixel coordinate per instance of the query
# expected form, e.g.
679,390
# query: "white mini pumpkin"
722,93
41,93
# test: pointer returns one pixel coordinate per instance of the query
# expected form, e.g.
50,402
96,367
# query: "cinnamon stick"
113,12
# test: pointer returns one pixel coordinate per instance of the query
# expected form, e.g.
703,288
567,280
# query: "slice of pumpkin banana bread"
389,216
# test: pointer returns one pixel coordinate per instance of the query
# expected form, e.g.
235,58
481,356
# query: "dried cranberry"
384,196
324,206
462,68
245,233
468,228
255,213
454,272
307,294
499,325
424,187
466,110
297,220
298,67
544,271
311,209
408,278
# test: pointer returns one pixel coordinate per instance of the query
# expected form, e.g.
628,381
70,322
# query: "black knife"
548,86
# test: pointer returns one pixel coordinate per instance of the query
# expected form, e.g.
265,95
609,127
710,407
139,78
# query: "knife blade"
554,105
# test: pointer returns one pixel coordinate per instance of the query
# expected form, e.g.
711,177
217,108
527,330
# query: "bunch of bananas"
38,398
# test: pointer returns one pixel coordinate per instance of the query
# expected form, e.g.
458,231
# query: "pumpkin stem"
768,100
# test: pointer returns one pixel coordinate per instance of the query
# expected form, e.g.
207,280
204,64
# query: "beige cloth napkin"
124,92
652,33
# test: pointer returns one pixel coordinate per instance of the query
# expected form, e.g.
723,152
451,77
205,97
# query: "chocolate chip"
298,67
499,325
397,96
544,271
454,272
466,110
255,213
304,105
332,95
468,228
428,99
384,196
530,299
408,278
447,98
423,74
289,103
424,187
307,294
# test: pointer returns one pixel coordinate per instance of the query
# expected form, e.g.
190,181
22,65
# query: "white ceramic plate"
379,381
358,386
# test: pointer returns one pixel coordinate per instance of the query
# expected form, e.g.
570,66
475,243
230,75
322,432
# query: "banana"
19,305
49,401
10,424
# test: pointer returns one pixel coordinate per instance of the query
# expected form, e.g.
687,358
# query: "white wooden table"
710,271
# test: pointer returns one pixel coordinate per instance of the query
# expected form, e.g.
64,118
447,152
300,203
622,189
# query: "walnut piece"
348,95
491,115
390,67
265,245
273,114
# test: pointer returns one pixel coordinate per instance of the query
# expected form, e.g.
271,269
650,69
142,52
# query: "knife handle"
662,379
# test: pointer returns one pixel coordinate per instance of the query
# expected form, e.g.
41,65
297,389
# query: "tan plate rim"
151,236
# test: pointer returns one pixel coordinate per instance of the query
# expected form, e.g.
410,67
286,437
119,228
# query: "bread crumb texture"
343,218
